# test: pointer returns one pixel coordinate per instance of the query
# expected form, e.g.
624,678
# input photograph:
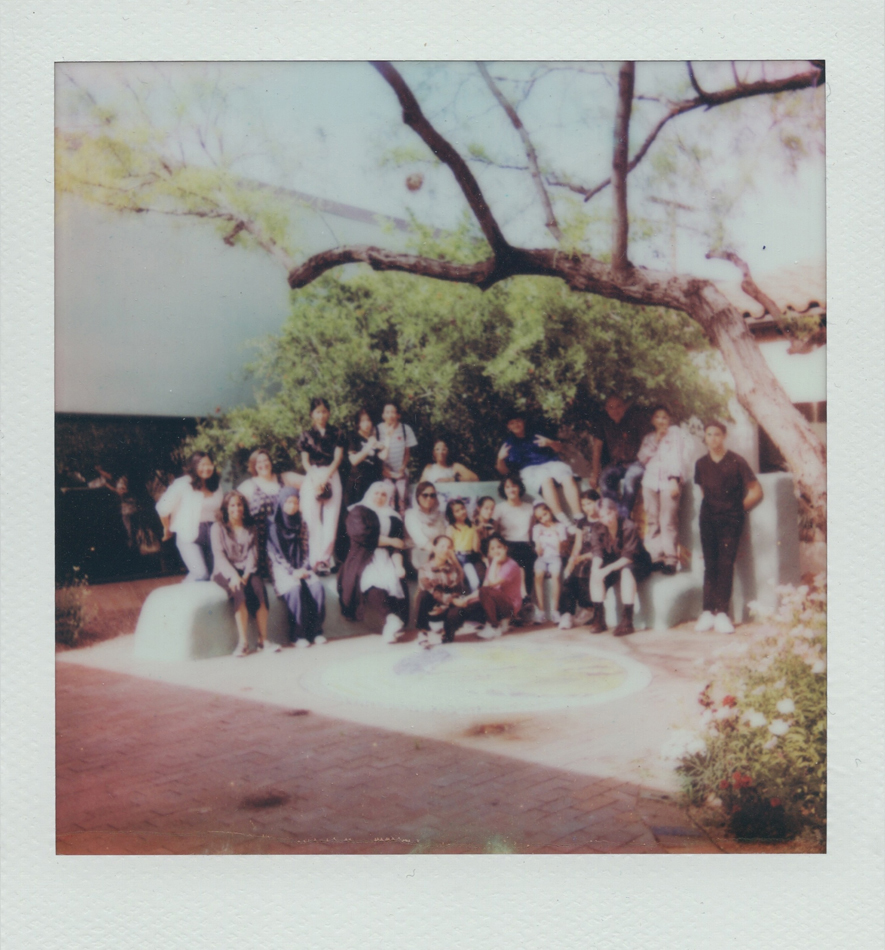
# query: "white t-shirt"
401,438
514,521
550,537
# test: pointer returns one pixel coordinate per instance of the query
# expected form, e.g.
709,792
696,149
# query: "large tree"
150,181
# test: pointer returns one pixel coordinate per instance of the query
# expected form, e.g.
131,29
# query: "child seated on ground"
548,537
576,576
465,541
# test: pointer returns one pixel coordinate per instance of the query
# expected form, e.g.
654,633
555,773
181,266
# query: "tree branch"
620,225
748,285
442,149
709,100
550,217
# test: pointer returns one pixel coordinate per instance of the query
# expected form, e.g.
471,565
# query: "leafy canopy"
457,360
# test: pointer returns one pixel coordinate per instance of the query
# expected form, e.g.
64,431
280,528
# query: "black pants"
575,593
719,542
452,617
524,554
379,600
252,593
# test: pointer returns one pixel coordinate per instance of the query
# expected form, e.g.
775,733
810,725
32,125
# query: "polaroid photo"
440,472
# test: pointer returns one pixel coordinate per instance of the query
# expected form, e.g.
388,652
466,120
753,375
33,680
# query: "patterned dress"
261,506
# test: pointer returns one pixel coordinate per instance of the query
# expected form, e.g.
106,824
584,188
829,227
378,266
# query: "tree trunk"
759,392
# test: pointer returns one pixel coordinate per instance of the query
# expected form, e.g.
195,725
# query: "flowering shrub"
760,755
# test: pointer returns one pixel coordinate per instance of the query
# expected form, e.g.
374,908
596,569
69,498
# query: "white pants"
321,517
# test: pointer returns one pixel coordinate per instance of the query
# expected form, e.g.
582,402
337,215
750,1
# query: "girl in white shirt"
188,509
665,455
514,519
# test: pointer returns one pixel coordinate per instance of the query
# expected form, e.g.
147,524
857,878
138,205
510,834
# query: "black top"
621,440
724,483
321,448
366,472
626,543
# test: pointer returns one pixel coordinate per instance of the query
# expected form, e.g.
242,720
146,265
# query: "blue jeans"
610,485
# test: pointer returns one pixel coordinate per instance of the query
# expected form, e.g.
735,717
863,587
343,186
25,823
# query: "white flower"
778,727
819,667
682,742
706,717
755,719
786,706
714,801
772,742
780,684
803,632
726,712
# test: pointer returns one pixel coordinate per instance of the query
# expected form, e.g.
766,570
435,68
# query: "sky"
137,296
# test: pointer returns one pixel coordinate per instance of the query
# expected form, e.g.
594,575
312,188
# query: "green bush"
71,610
760,753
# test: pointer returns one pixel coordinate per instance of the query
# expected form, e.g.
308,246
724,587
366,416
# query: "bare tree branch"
550,217
415,119
694,82
709,100
620,225
748,285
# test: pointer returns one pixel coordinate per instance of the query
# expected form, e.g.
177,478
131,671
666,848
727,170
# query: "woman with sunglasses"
424,523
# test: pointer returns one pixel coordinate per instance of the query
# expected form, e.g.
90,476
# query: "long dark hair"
450,511
248,520
516,481
319,401
197,483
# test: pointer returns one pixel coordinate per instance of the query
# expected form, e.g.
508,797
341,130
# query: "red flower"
724,783
741,781
729,701
775,802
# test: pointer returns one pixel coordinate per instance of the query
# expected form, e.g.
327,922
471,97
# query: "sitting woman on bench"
235,552
617,554
296,585
370,577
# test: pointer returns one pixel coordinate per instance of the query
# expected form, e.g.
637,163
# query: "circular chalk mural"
509,675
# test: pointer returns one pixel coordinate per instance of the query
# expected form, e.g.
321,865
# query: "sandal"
241,650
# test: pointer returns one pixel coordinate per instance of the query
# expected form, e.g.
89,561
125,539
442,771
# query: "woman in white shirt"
665,455
441,469
188,509
514,519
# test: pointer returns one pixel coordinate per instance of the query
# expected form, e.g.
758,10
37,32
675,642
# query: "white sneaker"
583,616
271,647
705,622
565,622
436,625
721,624
489,632
319,640
471,626
432,639
540,616
392,629
302,643
555,616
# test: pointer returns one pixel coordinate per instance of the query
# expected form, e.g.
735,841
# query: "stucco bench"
191,621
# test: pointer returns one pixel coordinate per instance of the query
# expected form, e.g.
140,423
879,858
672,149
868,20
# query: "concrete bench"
195,620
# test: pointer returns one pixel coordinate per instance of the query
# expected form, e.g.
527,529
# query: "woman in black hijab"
295,583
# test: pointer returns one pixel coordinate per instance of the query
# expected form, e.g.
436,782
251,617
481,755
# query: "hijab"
287,531
384,512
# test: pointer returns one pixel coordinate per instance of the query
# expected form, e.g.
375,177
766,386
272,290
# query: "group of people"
476,566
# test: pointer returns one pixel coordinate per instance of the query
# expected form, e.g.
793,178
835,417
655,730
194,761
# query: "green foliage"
457,360
762,756
71,611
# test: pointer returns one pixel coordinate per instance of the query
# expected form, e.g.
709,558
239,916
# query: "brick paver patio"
145,767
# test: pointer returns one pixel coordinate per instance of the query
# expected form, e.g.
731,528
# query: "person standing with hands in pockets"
730,490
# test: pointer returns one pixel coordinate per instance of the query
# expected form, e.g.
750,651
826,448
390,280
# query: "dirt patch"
268,799
297,712
500,730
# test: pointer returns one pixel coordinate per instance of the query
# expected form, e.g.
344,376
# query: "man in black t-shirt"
730,489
